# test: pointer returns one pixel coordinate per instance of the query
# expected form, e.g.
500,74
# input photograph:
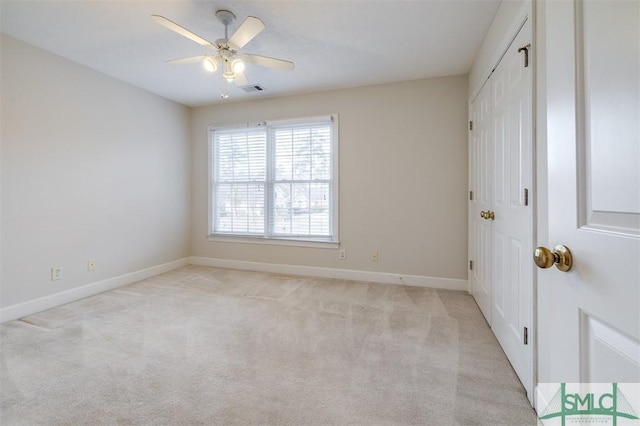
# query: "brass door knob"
487,215
560,256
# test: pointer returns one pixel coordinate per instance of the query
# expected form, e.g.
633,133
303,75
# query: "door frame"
540,175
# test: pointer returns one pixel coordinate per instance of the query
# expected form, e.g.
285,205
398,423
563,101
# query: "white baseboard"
32,306
345,274
38,305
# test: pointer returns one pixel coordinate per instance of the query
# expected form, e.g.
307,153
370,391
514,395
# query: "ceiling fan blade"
188,60
241,79
250,28
265,61
167,23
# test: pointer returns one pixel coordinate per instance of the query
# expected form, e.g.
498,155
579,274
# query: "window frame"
296,241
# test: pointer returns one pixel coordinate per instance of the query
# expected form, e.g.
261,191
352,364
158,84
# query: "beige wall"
403,177
92,168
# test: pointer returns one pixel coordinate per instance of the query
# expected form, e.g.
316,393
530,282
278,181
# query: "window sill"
323,244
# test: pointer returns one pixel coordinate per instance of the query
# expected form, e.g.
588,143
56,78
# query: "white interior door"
512,235
481,182
589,317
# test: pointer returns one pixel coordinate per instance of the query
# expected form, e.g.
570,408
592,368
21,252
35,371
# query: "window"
275,181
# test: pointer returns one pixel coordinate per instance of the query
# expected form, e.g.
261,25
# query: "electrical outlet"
343,254
56,273
91,265
374,256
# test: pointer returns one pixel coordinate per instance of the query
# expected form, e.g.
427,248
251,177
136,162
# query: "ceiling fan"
227,57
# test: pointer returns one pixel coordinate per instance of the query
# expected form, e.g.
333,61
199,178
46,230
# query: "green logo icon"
589,405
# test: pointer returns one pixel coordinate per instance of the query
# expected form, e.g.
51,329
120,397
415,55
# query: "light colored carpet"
214,346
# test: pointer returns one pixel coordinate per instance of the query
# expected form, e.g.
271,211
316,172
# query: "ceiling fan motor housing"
221,44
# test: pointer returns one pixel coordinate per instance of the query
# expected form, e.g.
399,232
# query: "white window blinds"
275,181
240,178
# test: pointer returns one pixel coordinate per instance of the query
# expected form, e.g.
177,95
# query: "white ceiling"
334,44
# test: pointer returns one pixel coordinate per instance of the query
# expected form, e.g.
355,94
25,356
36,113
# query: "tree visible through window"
275,181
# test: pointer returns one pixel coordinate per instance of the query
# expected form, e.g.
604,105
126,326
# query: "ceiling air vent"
252,88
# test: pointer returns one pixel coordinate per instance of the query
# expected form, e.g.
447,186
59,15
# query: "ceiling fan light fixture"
210,64
237,65
227,71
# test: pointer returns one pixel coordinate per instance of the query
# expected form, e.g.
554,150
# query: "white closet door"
511,100
500,213
481,183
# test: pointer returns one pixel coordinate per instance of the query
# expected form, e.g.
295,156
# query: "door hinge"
526,197
470,125
471,265
526,336
470,195
526,54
